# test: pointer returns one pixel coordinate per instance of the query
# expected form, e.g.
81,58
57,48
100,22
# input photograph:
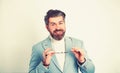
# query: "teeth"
58,31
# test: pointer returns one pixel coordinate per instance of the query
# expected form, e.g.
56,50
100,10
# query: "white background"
96,22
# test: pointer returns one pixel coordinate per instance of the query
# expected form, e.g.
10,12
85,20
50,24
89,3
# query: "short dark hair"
53,13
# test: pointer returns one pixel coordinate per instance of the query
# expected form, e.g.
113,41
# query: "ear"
47,27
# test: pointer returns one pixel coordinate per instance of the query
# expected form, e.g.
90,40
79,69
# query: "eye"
61,23
52,24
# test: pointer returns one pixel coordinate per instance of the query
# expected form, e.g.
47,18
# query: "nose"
57,26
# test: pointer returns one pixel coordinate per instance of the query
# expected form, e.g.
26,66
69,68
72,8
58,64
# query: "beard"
58,34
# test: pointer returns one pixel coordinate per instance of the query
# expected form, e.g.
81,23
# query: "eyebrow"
59,21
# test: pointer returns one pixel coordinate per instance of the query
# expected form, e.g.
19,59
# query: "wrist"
82,61
46,65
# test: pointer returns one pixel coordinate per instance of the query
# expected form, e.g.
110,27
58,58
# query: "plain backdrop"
96,22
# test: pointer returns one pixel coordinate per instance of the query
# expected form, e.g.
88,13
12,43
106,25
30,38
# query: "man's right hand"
47,55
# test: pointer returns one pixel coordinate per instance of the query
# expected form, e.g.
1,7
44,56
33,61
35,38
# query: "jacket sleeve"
36,65
87,66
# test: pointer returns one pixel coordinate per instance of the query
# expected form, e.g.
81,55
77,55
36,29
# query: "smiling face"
56,27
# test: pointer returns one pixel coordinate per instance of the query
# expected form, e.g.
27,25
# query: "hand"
79,54
47,55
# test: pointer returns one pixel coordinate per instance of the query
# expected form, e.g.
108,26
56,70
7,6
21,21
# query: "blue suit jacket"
71,64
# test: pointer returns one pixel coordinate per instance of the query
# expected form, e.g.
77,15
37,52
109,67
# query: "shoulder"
74,39
76,42
39,45
40,42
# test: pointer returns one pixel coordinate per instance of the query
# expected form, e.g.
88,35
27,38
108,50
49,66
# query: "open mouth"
58,32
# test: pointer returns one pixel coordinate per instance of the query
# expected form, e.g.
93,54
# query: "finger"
50,53
75,50
46,50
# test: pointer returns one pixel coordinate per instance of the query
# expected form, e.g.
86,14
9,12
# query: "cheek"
52,30
63,28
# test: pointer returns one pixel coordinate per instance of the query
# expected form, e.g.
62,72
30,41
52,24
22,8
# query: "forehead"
56,19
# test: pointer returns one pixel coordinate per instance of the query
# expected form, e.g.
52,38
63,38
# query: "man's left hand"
79,54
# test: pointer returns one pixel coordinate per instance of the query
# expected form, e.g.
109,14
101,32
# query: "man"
58,53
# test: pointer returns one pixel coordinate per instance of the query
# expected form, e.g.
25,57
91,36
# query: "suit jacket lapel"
68,46
47,44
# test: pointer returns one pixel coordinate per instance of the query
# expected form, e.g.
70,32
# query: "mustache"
58,30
